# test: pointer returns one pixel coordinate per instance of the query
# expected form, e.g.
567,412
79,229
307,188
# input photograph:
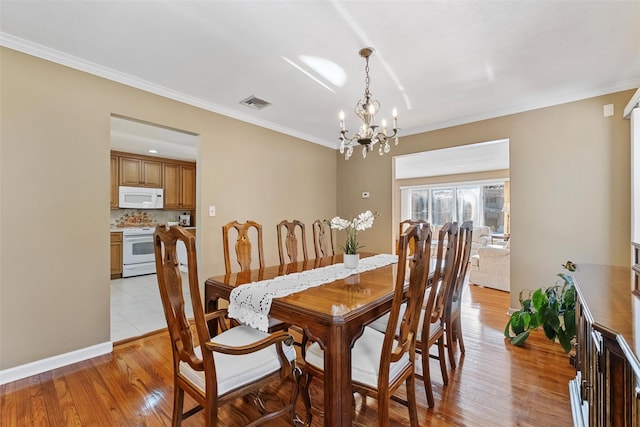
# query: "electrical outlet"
212,211
365,194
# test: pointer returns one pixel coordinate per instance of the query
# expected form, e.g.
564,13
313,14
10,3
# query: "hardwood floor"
495,384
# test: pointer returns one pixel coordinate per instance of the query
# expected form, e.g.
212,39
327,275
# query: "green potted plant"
552,308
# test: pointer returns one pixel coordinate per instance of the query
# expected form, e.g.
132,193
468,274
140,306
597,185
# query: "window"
481,203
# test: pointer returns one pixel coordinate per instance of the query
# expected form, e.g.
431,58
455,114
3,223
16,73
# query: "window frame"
479,215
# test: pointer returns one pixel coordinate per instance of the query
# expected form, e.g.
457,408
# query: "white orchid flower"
359,223
339,223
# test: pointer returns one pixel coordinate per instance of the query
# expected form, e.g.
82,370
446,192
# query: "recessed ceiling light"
152,151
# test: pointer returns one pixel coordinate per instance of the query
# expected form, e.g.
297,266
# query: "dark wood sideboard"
606,390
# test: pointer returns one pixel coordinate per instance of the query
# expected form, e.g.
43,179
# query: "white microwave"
140,198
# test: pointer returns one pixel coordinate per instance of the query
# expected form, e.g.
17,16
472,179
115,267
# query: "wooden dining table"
333,314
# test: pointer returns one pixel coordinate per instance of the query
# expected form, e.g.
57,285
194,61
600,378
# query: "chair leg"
411,401
295,391
426,378
450,341
383,407
306,395
457,326
443,360
178,402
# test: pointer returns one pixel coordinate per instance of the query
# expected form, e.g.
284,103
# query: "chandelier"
366,108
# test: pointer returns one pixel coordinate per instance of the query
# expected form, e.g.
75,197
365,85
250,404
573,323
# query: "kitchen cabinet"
139,172
114,182
179,186
116,255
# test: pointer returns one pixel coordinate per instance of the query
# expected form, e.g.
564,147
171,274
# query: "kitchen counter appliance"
138,256
140,198
185,220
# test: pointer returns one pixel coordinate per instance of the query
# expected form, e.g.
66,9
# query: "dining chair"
404,225
431,332
453,321
243,247
323,238
431,327
289,241
239,361
382,362
244,254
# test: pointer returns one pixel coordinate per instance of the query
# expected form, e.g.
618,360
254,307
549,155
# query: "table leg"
337,382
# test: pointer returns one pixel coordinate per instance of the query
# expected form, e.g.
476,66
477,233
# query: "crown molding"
543,103
62,58
43,52
633,103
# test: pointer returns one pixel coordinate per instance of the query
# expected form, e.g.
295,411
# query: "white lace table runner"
250,303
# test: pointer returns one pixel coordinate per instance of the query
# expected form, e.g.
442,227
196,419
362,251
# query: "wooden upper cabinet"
188,186
114,183
140,173
179,186
176,177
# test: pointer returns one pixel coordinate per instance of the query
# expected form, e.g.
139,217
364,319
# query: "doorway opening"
170,156
467,182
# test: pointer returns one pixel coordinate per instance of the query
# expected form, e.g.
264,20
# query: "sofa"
480,238
490,267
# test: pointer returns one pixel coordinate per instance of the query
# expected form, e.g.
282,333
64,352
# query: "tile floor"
136,308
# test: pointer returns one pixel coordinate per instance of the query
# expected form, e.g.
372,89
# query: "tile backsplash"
142,217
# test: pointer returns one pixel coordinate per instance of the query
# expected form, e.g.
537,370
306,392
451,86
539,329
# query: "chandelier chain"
367,78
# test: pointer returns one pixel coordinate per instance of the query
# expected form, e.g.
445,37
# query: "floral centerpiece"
359,223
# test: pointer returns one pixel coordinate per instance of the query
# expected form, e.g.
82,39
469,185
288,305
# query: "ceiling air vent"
255,103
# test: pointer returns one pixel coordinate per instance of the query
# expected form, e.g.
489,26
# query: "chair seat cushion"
380,324
365,358
273,322
236,371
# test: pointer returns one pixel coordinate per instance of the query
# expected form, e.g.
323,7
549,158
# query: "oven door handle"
137,239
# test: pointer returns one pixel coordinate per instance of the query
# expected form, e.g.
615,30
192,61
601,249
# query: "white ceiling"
440,63
132,136
480,157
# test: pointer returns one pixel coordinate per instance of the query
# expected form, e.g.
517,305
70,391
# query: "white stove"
137,251
137,231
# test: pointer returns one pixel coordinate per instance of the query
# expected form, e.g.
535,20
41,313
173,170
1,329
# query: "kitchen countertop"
121,229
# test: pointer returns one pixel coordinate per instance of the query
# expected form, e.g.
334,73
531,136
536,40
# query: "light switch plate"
212,211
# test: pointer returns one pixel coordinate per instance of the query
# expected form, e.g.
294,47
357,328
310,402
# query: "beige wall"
54,211
569,175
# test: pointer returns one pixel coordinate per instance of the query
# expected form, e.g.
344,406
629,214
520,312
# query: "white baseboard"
44,365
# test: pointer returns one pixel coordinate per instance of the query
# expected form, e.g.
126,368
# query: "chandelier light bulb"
370,133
